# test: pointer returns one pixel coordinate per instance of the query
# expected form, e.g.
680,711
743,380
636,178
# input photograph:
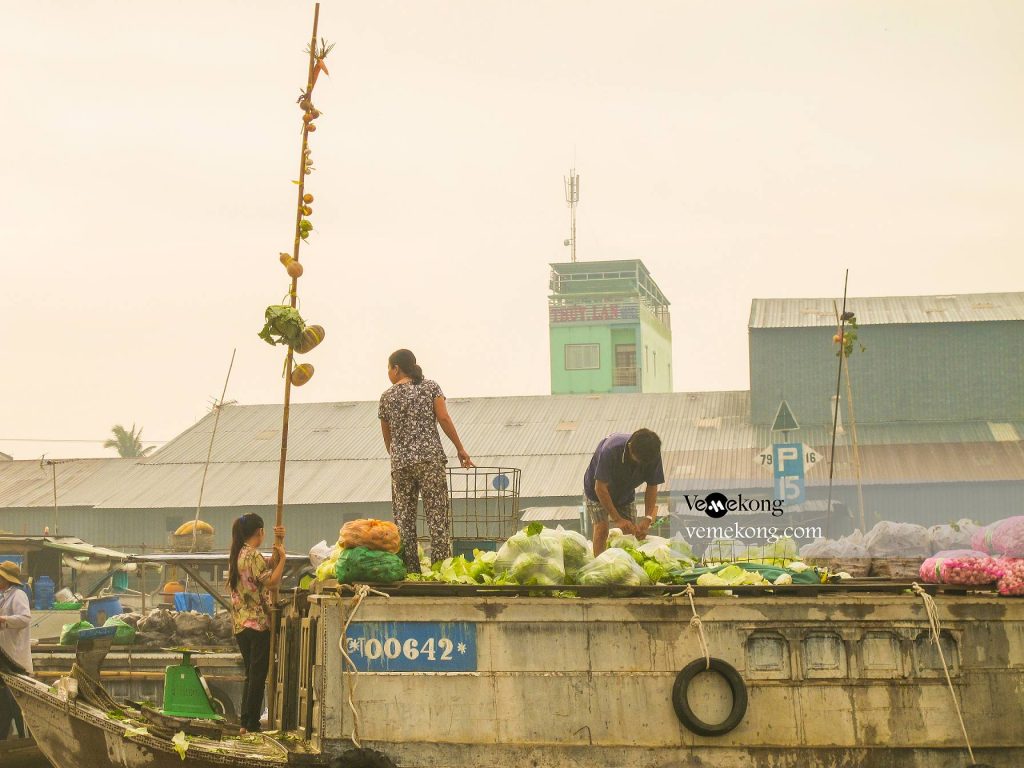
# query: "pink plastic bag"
1012,580
959,566
1004,537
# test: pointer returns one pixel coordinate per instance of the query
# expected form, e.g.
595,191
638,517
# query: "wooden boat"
74,732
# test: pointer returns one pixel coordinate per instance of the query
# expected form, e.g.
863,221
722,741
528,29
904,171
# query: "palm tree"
128,444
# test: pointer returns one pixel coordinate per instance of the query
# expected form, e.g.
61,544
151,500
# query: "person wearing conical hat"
15,618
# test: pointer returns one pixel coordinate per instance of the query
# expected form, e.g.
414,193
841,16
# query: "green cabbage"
613,566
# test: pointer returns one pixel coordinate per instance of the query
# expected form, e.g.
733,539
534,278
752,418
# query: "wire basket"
484,503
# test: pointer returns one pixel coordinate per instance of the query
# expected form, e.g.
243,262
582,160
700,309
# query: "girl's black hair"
406,362
241,530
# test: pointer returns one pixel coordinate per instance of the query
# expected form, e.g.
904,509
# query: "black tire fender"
682,706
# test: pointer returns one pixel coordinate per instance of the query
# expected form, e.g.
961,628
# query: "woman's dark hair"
406,362
241,530
646,445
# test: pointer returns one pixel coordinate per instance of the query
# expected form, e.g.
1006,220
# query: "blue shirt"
611,465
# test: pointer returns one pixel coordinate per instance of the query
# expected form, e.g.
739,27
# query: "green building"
926,359
610,329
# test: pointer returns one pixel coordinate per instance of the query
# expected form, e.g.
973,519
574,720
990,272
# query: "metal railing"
626,376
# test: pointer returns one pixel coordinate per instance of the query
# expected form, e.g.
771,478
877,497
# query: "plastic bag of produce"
361,564
131,619
902,540
1004,537
325,570
958,535
532,557
320,553
69,632
1011,580
620,540
958,566
222,626
576,551
156,627
378,535
124,634
613,566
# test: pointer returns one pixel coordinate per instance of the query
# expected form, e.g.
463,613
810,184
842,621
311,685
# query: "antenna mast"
572,199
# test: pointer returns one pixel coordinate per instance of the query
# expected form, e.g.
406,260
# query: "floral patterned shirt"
250,600
409,411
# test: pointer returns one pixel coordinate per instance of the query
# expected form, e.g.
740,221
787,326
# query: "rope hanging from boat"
936,629
697,624
360,592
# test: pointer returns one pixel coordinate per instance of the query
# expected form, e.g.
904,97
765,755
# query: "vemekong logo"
716,504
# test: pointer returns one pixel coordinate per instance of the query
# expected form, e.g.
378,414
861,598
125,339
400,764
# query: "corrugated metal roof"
80,482
336,454
888,310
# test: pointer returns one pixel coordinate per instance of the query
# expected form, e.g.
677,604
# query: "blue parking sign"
788,467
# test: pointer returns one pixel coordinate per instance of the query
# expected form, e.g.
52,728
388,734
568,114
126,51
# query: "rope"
360,592
936,629
697,624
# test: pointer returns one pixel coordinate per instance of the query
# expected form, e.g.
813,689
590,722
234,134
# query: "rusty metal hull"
73,735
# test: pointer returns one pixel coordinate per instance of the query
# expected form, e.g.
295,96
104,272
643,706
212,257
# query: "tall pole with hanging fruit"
284,325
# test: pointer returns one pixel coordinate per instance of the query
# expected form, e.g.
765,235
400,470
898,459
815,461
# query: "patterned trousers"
430,480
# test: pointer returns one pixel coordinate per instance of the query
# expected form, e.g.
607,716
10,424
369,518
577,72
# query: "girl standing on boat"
250,579
410,412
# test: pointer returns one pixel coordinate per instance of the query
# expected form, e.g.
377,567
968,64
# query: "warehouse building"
937,440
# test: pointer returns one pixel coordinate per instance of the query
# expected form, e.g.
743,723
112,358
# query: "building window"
625,366
582,357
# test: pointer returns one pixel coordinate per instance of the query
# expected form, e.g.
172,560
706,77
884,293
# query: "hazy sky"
740,149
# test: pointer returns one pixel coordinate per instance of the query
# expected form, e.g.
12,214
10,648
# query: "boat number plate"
412,646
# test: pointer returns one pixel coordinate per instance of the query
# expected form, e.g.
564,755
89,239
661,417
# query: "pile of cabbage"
539,556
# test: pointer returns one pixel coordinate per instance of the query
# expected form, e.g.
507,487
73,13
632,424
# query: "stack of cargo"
996,558
367,552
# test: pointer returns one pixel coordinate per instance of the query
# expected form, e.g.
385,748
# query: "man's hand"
625,525
643,525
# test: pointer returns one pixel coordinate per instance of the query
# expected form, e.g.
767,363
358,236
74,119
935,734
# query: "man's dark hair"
646,445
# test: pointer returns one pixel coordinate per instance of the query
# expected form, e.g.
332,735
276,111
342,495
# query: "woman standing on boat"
410,412
250,580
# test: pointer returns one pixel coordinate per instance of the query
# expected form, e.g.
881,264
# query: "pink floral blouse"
251,599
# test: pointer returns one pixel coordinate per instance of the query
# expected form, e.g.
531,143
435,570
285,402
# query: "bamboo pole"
289,359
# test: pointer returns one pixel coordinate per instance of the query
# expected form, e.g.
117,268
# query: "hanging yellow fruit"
306,210
311,127
303,372
307,198
285,258
311,337
294,268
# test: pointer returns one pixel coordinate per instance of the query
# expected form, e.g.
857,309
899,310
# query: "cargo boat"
834,676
